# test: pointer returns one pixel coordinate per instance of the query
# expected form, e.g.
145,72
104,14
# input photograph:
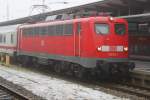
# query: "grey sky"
22,8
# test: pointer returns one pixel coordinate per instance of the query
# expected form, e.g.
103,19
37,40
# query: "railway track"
128,88
4,95
8,94
124,87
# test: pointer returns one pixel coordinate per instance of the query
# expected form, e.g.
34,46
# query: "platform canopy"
133,10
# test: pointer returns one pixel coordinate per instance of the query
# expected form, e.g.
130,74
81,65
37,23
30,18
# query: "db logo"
42,43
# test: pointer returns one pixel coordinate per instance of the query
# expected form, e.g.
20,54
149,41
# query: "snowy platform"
142,65
52,88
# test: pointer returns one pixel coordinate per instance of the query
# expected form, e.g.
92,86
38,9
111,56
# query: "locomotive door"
77,39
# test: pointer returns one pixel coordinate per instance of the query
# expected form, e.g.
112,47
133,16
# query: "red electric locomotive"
97,45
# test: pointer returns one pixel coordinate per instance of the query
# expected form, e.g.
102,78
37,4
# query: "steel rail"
10,93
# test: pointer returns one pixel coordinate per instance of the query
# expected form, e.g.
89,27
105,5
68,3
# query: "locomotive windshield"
101,28
120,29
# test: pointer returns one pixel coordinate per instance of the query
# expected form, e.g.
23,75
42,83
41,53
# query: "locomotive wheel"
68,69
124,71
35,62
57,67
79,72
63,67
24,61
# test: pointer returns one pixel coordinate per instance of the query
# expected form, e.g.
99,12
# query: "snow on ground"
141,64
52,88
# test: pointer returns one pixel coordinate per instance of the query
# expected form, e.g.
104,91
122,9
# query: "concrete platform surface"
142,65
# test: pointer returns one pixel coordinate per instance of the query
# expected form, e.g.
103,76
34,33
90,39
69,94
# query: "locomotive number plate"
112,54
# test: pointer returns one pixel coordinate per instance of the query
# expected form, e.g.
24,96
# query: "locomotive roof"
98,18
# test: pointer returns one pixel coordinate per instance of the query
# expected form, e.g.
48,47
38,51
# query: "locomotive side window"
25,32
36,30
42,31
33,31
59,30
68,29
120,29
51,30
28,31
101,28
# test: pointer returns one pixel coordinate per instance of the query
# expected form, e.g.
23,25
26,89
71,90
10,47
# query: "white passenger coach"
8,39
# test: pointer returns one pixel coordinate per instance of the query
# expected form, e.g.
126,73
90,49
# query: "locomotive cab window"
101,28
120,29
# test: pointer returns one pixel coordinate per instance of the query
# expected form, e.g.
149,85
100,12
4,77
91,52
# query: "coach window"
4,38
101,28
12,38
120,29
0,38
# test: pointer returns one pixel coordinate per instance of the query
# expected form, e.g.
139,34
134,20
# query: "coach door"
77,39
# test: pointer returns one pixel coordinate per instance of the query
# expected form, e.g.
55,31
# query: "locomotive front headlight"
111,19
125,48
99,48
